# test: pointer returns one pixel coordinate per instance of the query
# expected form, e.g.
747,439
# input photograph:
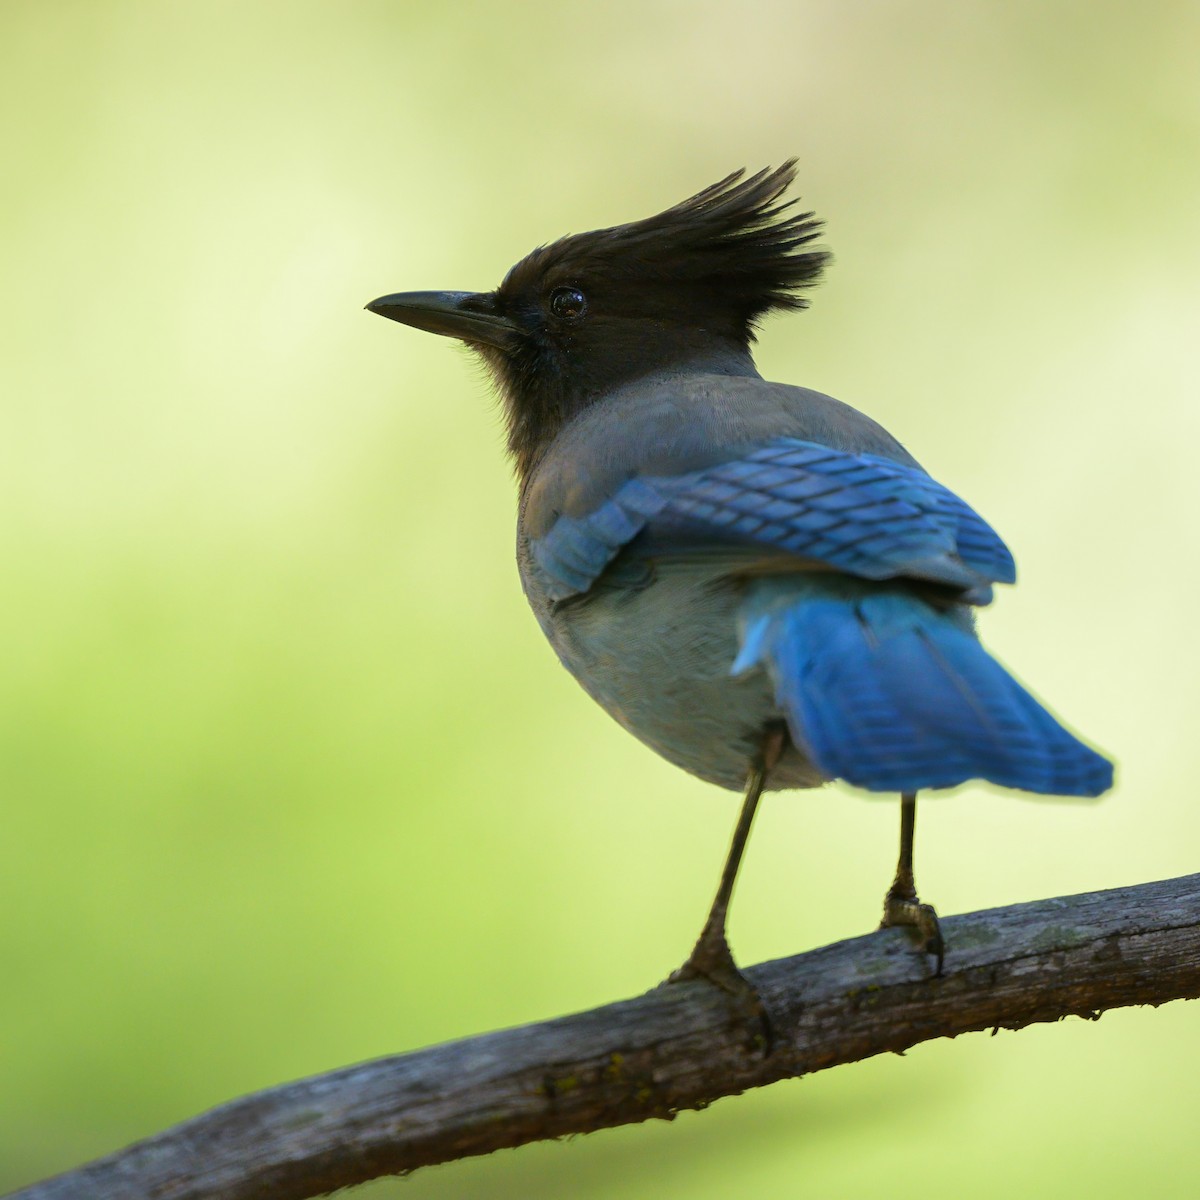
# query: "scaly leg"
711,957
900,905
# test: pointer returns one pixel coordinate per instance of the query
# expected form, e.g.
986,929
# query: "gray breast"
657,658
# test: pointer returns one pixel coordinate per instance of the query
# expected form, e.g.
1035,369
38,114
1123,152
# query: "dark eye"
568,303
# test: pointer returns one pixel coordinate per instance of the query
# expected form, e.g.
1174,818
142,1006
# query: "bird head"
678,292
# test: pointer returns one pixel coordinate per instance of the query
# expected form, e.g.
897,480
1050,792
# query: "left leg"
711,957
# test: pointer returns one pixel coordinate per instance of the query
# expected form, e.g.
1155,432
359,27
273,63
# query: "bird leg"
901,905
711,957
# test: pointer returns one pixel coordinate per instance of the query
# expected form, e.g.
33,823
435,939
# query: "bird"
755,579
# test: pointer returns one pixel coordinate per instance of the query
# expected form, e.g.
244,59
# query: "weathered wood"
671,1049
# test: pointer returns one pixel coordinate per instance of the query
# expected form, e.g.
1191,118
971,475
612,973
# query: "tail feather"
891,694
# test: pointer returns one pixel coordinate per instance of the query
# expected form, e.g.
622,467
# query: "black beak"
469,316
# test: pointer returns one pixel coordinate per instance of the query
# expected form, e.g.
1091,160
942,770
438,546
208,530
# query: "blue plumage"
860,513
882,689
892,694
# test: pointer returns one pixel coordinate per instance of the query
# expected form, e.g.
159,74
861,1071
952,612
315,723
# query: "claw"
712,960
900,909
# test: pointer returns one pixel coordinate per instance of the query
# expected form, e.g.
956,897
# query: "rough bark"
677,1047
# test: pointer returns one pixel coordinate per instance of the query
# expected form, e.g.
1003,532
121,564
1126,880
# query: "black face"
581,331
679,292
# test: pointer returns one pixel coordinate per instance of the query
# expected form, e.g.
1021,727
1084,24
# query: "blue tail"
892,694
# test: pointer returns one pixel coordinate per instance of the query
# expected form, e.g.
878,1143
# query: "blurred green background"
289,777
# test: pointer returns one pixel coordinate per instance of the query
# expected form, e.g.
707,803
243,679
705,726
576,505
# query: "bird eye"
568,303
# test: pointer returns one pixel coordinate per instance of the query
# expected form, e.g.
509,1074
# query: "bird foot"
903,908
712,960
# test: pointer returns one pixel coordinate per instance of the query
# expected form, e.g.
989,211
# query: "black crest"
677,292
735,248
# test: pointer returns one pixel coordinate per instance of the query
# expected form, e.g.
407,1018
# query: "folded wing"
860,514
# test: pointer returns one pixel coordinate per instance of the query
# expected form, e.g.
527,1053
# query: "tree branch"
671,1049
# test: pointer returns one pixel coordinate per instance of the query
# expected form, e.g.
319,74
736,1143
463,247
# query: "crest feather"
736,242
739,229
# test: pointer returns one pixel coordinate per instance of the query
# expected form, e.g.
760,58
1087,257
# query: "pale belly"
658,660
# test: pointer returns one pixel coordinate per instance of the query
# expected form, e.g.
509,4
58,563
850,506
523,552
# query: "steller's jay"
755,579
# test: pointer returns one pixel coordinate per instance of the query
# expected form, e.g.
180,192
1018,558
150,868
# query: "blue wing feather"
862,514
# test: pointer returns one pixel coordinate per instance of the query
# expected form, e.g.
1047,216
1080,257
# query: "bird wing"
797,503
